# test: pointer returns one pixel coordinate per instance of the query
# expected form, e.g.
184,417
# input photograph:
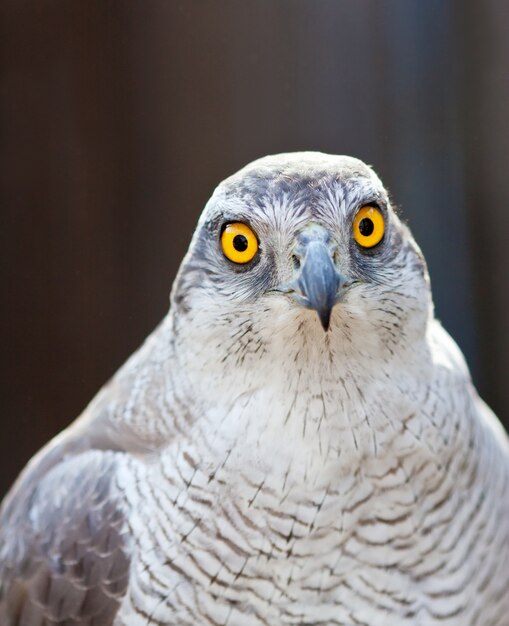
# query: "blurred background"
118,118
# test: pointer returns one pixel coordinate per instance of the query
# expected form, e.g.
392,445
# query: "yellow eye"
239,243
368,227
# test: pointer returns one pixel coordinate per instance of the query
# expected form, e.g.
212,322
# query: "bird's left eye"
239,242
368,226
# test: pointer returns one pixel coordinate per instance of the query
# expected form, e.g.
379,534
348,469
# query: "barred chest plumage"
345,529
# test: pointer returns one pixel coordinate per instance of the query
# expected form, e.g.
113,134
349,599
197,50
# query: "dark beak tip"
324,317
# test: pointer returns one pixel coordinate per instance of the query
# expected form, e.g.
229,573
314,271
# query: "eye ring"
368,226
239,243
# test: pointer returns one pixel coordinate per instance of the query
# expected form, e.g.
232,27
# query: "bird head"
296,247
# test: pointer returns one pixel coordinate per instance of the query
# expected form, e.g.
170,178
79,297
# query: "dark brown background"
117,119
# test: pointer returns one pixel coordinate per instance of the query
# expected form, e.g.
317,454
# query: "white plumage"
247,467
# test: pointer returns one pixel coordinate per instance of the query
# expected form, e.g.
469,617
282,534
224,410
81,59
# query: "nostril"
296,261
335,257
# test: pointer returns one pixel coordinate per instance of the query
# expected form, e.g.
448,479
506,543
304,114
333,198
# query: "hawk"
298,442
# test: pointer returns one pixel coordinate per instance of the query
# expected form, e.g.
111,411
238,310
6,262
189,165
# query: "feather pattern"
246,468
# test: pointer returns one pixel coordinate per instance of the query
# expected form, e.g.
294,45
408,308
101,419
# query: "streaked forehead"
309,182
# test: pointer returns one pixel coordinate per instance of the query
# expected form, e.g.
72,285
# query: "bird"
298,442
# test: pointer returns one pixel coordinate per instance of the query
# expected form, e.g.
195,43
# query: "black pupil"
240,243
366,227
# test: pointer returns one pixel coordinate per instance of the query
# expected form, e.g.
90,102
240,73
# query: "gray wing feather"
64,544
64,549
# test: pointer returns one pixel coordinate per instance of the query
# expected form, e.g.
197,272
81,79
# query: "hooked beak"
318,285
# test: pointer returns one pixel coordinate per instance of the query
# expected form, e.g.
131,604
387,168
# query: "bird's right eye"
239,242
